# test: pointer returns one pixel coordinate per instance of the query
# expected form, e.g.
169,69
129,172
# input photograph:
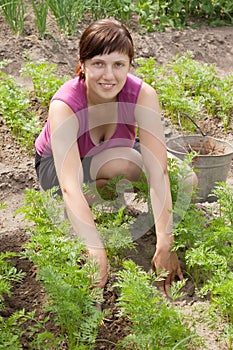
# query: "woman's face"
105,76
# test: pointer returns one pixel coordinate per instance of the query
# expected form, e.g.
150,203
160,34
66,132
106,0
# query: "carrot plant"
15,109
207,247
64,269
114,231
113,223
44,78
155,323
8,274
188,87
12,327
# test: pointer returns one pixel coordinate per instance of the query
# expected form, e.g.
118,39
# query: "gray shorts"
46,171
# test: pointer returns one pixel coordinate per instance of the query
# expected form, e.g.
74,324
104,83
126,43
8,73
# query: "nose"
108,72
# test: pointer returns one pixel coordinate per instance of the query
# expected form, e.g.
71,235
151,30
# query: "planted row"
152,15
188,88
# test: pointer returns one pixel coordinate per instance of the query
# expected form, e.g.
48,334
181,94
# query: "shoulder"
72,93
131,89
148,97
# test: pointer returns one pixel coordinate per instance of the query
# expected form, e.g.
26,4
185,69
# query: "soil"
208,44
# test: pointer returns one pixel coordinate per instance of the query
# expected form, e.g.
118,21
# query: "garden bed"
210,45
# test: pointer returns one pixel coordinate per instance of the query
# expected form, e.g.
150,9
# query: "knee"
192,181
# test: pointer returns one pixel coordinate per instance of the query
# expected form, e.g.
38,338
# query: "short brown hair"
104,36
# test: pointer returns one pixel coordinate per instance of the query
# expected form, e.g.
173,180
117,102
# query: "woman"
90,134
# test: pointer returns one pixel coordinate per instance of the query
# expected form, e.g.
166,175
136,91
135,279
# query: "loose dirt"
208,44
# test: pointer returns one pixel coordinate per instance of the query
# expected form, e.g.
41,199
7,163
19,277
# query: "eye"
98,64
119,64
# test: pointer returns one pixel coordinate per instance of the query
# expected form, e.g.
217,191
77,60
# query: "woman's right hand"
100,257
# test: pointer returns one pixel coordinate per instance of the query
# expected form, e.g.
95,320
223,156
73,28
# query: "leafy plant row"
152,15
16,101
204,244
68,276
188,88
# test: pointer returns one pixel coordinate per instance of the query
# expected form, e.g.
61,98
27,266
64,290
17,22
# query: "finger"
180,274
169,280
167,289
161,287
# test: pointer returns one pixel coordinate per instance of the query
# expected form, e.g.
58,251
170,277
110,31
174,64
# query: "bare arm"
64,129
154,154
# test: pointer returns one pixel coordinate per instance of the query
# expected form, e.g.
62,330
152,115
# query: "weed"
2,205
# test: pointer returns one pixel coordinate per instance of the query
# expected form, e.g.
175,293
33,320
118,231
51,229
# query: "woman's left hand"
165,260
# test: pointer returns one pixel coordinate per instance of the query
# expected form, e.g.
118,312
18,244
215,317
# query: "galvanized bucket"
213,161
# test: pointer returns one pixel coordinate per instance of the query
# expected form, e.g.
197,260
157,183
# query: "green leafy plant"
45,81
107,8
155,324
189,88
181,13
63,269
14,12
115,234
12,329
15,110
8,274
40,8
67,14
112,220
2,205
224,193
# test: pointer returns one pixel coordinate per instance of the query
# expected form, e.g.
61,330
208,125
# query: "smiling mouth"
107,86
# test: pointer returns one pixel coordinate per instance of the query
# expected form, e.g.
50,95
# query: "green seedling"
45,81
15,110
8,274
14,13
2,205
155,323
67,14
40,9
64,269
187,87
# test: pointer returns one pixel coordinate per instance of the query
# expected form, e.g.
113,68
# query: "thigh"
116,161
46,173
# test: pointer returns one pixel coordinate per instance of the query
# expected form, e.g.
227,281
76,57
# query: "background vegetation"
150,15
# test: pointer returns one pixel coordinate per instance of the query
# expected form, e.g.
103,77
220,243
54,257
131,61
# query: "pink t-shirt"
73,93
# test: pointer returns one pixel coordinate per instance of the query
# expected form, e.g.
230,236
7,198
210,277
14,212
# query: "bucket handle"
191,119
189,149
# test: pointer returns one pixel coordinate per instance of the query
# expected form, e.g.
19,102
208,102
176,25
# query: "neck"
97,101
